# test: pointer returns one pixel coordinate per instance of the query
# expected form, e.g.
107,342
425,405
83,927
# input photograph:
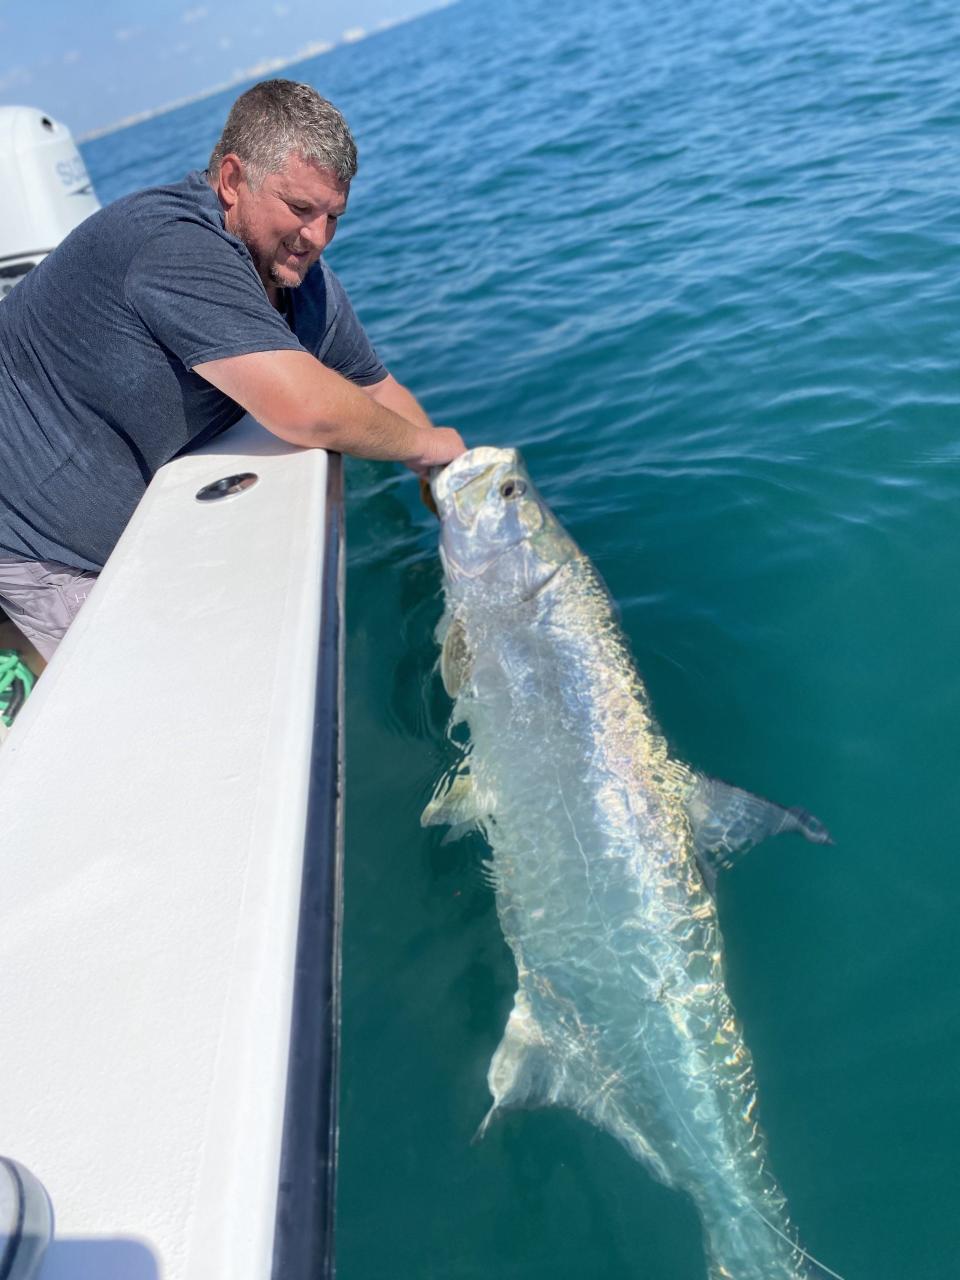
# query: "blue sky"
91,65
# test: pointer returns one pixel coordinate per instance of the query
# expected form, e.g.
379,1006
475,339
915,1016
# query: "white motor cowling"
47,190
26,1221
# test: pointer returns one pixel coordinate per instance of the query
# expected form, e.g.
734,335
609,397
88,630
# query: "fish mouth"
476,464
459,490
465,492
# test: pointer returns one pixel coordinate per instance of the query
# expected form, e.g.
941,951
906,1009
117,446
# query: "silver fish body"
602,850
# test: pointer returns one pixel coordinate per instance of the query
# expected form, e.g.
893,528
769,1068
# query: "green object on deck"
16,681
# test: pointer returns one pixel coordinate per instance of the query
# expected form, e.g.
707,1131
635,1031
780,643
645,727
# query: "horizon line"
315,49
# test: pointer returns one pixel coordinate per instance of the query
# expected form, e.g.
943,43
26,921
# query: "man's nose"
318,233
308,234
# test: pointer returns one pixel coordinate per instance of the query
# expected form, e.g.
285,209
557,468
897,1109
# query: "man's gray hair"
279,118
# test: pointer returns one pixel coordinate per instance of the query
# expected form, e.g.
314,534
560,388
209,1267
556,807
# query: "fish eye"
511,489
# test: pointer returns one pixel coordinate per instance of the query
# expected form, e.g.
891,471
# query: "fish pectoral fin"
456,662
728,821
455,803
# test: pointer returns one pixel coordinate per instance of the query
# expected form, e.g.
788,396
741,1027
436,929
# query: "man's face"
288,220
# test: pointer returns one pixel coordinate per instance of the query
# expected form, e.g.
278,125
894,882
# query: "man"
163,317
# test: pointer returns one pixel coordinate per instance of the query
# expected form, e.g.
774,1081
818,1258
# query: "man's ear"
230,180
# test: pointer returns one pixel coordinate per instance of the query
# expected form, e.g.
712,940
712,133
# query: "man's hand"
446,443
394,395
440,446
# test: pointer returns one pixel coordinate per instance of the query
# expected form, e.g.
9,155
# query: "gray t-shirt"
97,349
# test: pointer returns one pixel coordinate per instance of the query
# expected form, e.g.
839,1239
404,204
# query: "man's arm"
302,401
394,395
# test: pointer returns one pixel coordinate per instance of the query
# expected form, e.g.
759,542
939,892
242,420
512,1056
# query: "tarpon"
605,850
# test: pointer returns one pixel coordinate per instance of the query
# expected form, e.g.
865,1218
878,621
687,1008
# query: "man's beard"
278,280
260,261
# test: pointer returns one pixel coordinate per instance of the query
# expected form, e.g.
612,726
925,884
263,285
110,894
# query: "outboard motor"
26,1221
46,190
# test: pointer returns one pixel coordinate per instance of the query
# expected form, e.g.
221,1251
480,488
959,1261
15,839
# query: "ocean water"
700,263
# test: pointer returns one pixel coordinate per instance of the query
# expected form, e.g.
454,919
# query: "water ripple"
701,263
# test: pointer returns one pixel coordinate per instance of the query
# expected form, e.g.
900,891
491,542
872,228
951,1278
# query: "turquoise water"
700,263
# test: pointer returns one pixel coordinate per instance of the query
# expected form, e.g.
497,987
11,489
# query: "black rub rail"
304,1237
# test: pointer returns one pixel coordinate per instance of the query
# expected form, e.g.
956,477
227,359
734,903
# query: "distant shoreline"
249,73
259,71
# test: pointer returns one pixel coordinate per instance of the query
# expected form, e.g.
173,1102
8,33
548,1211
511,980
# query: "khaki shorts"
42,598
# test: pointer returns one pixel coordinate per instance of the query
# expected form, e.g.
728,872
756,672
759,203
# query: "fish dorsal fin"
456,663
727,822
